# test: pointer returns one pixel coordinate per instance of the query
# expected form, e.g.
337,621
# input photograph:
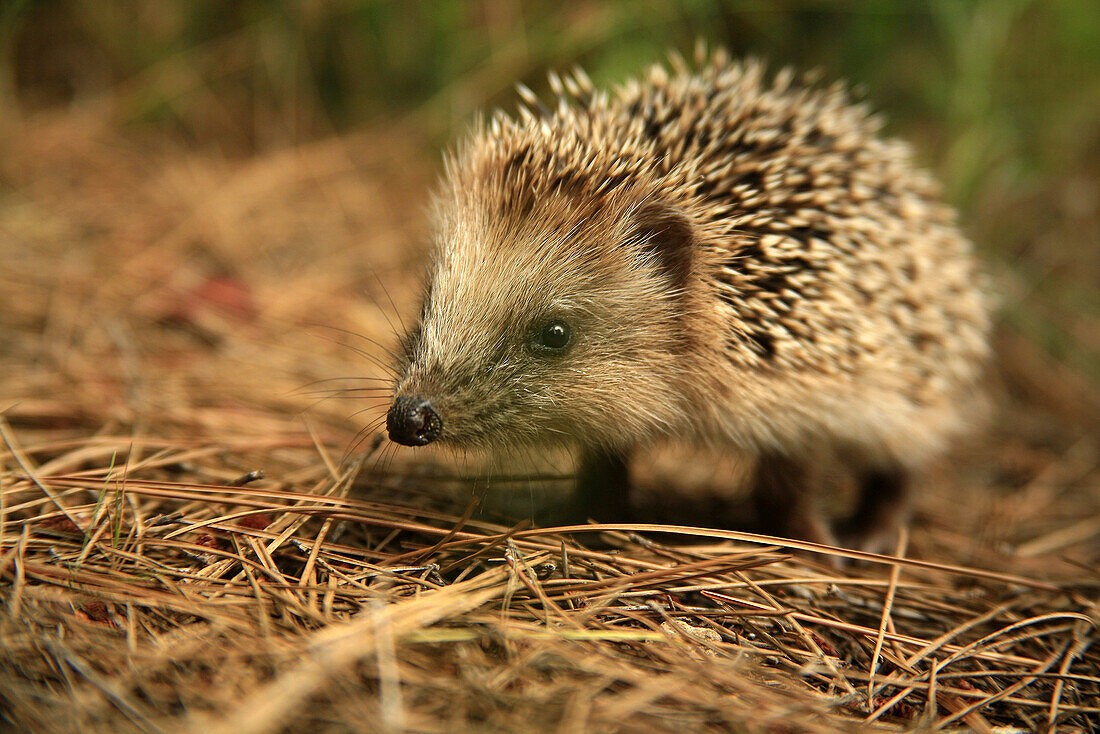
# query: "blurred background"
202,202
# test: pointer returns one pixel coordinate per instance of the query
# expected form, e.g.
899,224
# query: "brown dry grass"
172,320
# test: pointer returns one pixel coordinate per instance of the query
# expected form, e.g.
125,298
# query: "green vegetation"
998,96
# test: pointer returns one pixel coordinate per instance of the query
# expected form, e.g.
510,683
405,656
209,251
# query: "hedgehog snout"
412,421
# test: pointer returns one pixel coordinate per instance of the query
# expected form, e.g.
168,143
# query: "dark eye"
553,336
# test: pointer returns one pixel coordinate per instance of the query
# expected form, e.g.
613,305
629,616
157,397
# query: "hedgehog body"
706,255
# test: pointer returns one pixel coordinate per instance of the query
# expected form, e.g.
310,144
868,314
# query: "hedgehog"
711,254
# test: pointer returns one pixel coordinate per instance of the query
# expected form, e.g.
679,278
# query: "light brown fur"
743,263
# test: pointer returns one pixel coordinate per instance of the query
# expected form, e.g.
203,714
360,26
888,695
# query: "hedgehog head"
551,306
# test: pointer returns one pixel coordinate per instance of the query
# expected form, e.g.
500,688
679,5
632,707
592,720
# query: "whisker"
389,352
312,383
385,456
396,311
367,408
361,436
373,359
348,394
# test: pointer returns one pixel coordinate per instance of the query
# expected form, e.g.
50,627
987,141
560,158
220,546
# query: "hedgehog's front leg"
603,486
881,509
785,493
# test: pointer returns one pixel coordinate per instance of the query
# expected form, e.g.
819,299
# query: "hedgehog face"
558,327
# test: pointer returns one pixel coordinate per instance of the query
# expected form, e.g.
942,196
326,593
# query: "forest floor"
202,529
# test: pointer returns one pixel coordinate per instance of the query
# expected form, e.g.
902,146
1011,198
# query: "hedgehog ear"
669,237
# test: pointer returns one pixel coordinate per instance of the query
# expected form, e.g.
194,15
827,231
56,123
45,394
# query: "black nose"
412,421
